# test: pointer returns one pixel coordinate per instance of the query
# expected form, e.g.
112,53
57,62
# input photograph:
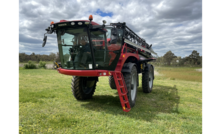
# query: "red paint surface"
84,72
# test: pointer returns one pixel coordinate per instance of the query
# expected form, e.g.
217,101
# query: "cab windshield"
74,48
84,49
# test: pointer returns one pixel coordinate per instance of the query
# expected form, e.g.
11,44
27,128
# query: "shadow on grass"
163,99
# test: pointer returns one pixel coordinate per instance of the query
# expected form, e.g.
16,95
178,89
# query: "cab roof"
92,22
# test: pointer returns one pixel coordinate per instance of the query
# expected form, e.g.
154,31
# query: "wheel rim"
150,79
87,86
134,83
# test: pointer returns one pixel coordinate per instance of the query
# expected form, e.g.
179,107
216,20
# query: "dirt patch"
157,73
21,64
199,70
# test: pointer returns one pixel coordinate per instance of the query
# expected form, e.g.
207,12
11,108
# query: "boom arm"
134,40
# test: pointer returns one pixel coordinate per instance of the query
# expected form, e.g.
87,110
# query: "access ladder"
122,90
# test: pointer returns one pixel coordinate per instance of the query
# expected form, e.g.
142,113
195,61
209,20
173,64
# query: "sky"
169,25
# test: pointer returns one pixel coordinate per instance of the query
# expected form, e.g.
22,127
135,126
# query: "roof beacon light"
52,22
90,17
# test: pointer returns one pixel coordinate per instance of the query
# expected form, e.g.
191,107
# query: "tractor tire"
112,82
83,88
131,83
147,80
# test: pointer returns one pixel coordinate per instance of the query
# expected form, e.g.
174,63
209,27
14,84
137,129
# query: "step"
118,72
123,94
126,109
124,101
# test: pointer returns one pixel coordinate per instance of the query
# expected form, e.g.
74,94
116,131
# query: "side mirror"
44,41
114,36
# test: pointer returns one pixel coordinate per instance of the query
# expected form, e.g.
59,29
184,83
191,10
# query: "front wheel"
131,83
112,82
83,87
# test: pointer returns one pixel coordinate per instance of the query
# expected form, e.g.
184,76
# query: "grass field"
181,73
46,105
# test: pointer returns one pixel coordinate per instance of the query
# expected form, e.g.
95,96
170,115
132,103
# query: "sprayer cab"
83,44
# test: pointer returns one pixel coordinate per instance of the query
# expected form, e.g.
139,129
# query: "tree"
182,61
176,61
22,57
58,57
168,57
158,60
33,57
52,56
194,58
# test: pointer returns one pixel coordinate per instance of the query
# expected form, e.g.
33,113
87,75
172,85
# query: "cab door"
106,54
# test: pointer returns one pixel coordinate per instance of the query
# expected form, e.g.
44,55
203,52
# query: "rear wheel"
112,82
147,80
83,87
131,83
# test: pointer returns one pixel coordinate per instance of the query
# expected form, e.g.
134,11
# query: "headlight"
72,23
52,26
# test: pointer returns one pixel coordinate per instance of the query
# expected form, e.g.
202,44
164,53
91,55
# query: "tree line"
37,57
170,59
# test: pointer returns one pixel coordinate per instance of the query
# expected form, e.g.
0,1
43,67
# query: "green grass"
21,68
46,105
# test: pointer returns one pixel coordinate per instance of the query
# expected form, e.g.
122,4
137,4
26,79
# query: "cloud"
26,39
167,24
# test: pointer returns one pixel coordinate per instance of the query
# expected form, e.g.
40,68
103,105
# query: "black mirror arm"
49,30
45,34
44,40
